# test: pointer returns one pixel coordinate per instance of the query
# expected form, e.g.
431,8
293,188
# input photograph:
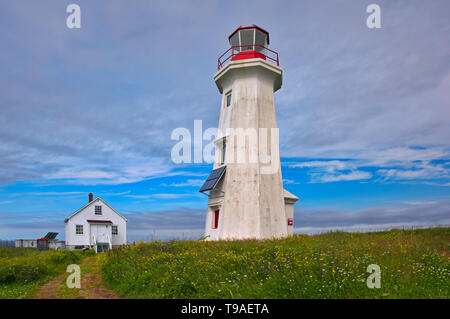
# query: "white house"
96,225
25,243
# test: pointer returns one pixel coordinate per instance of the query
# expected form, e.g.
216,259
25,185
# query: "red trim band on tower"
235,53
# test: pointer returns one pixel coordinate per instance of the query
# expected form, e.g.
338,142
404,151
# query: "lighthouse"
246,198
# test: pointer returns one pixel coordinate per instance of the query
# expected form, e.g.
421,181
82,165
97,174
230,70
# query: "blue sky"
364,114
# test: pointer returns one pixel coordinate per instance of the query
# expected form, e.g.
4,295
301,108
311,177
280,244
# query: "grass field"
413,263
23,270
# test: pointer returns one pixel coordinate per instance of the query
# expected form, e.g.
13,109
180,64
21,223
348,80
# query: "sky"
364,114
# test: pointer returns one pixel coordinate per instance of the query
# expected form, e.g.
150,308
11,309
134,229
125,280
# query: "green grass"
21,291
414,264
23,270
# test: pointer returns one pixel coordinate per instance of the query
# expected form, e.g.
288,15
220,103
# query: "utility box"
42,244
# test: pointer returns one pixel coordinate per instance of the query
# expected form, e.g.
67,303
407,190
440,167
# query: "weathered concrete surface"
289,201
251,201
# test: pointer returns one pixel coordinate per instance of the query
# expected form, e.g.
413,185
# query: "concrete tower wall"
250,200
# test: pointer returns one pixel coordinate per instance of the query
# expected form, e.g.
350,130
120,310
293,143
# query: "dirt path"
50,289
91,285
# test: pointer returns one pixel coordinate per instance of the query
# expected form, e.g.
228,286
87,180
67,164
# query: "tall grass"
414,264
22,268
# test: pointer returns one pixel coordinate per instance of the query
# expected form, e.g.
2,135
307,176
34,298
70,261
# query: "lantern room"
248,42
252,38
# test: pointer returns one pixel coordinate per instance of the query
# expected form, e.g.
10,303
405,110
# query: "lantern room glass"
251,39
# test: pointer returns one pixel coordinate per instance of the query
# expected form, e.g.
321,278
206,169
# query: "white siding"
25,243
88,213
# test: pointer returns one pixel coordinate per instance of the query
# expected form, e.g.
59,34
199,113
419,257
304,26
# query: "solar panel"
213,179
215,173
208,185
51,235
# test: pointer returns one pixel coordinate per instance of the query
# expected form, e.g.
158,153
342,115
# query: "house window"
98,210
114,230
215,221
228,99
79,229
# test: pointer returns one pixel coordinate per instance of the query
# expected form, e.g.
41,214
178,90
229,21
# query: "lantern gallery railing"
240,52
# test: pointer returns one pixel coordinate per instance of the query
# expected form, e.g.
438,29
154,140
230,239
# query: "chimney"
91,196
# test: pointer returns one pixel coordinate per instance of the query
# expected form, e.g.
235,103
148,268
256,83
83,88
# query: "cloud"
171,196
421,202
83,111
403,156
332,171
337,177
394,164
289,181
329,165
384,92
161,196
54,193
185,219
436,184
421,171
114,193
188,183
426,213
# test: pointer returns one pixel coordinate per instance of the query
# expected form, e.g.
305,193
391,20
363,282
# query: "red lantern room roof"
250,27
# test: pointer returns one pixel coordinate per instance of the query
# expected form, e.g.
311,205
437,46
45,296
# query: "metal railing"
94,243
109,241
271,55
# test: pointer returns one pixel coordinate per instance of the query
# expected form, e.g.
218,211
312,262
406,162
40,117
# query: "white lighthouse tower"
246,195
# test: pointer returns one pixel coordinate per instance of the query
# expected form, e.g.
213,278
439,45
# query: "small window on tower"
228,99
224,152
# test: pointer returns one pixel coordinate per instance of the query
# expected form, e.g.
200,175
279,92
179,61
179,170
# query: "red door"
215,222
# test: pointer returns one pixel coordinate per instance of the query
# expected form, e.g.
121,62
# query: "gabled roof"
289,196
90,203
